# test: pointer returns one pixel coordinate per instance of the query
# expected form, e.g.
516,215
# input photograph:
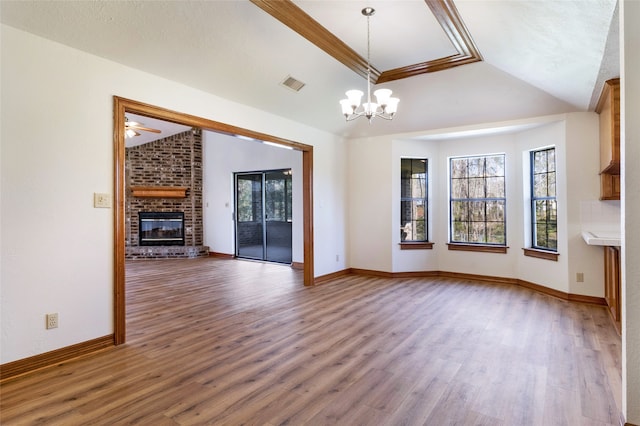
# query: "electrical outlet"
101,200
52,321
580,277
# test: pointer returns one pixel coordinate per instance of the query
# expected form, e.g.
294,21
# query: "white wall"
330,198
539,271
413,260
630,152
57,150
225,155
370,235
585,209
374,186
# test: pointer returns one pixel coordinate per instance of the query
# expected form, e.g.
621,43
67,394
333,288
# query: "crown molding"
444,11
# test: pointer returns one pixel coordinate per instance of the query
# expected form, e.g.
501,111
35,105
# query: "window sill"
416,245
541,254
477,247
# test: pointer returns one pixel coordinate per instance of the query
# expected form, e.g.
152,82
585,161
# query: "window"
544,225
413,200
477,200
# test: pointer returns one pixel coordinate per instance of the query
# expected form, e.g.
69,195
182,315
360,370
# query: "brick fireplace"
164,178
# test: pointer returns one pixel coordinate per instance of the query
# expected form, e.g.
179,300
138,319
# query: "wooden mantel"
159,191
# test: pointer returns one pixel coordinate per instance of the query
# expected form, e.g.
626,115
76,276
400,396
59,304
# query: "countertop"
601,238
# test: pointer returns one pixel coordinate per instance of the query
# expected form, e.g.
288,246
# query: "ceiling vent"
293,84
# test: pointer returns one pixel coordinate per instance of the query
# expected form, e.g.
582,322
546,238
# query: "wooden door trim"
120,107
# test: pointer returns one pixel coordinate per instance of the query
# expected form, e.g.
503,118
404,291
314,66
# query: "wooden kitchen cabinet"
609,186
612,282
608,108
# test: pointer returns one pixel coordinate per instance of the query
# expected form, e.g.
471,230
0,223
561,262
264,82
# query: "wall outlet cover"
52,321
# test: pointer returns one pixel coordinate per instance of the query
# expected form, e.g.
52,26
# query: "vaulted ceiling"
450,63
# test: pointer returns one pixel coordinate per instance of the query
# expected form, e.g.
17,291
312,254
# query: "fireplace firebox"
161,228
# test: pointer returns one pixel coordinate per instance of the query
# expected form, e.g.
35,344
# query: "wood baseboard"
475,277
324,278
485,278
371,273
579,298
382,274
542,289
223,255
297,265
593,300
14,369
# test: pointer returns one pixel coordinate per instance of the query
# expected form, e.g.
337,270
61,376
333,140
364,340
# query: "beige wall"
630,152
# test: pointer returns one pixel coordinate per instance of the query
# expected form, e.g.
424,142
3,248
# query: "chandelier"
385,107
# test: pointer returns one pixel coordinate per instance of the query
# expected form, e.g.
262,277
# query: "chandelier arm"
354,116
385,116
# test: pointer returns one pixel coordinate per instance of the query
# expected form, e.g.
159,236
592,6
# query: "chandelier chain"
368,58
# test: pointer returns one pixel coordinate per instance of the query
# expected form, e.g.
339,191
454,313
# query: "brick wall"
172,161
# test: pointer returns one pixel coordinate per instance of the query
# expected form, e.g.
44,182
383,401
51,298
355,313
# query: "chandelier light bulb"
392,106
347,108
382,96
354,96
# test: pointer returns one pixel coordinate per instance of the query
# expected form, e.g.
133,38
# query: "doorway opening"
122,106
264,215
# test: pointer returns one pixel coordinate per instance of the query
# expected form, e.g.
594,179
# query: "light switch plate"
101,200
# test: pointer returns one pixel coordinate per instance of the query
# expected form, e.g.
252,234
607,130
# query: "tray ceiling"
539,57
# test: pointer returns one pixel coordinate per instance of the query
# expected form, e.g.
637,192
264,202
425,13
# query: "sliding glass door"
263,215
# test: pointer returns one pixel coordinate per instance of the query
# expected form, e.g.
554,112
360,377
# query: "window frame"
415,244
534,247
470,245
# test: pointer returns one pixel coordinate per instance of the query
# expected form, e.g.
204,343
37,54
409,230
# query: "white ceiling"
540,56
166,129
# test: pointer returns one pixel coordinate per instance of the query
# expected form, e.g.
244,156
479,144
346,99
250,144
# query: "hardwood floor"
217,341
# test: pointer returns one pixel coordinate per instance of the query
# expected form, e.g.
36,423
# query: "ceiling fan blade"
130,133
138,126
146,129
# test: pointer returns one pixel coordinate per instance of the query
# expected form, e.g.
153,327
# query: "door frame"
122,106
